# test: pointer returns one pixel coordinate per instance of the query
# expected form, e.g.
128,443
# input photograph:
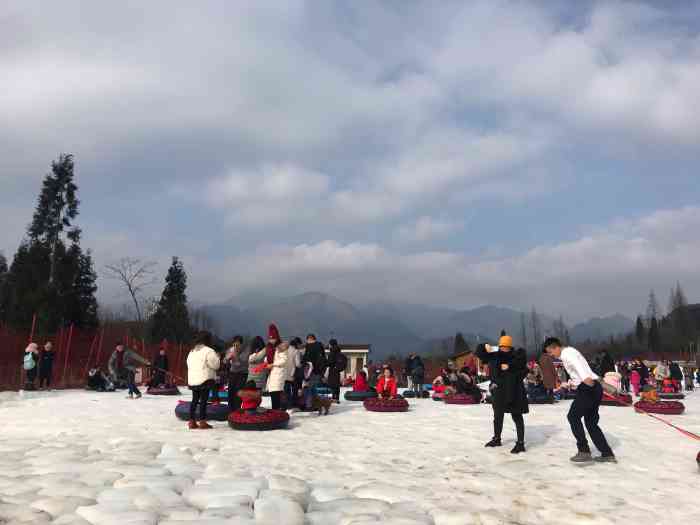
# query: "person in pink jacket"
635,380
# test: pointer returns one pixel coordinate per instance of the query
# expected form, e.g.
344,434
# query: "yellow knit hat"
506,340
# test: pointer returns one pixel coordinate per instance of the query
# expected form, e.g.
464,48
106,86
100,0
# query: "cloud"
426,229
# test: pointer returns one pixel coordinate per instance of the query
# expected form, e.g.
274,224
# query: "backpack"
29,362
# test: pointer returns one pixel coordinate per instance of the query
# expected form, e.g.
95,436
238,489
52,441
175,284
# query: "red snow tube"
163,390
671,395
618,400
671,408
261,420
352,395
398,404
461,399
218,412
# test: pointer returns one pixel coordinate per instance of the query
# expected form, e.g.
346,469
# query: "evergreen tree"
171,319
461,344
640,331
678,316
654,336
536,326
653,308
4,288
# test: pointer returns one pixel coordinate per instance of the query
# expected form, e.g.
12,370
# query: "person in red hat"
273,339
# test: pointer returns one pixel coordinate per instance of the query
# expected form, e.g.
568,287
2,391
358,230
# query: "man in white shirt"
589,393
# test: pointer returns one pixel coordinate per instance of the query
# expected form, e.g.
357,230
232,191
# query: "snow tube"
428,387
697,460
671,395
163,390
438,396
262,420
386,405
408,394
351,395
461,399
619,400
214,412
671,408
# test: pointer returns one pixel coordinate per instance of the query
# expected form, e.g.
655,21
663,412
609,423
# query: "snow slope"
78,458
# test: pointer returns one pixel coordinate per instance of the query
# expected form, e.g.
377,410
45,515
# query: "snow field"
84,458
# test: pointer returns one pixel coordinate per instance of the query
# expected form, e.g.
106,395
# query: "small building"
358,357
468,359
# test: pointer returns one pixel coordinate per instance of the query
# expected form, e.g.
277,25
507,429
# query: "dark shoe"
605,459
518,448
192,425
495,442
582,457
138,396
203,425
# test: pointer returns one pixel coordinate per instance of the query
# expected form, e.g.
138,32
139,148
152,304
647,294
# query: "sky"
444,153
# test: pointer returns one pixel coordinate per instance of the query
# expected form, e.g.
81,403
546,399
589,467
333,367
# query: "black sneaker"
605,459
582,457
518,448
495,442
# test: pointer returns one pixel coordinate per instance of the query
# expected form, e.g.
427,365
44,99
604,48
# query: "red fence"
76,352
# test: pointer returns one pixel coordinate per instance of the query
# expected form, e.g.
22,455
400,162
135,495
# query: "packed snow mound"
79,458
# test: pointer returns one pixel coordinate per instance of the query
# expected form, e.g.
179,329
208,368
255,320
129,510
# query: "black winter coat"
161,362
316,355
335,367
46,360
508,395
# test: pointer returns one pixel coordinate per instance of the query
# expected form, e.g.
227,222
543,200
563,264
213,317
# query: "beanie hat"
273,333
506,341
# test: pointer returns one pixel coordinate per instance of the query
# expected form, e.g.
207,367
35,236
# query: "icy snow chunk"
455,516
384,492
324,518
351,506
59,506
211,521
70,519
206,496
301,499
288,484
228,512
68,489
323,494
103,515
278,511
22,514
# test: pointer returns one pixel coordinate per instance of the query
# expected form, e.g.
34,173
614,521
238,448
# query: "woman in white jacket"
278,375
202,364
294,354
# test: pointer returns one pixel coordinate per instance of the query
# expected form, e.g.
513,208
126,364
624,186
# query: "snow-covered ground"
77,457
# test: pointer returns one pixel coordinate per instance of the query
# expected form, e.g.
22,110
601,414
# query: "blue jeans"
131,383
313,381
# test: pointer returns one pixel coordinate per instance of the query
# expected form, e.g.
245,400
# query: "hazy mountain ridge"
389,327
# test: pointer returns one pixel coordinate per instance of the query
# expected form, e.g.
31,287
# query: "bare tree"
136,275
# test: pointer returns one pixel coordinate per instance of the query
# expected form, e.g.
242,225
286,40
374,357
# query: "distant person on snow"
314,359
278,375
508,368
549,374
236,360
337,363
256,358
202,365
295,372
46,359
361,384
386,386
122,367
417,373
250,398
589,394
31,358
160,368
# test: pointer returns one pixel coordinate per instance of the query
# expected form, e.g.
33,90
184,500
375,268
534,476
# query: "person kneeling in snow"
589,393
360,384
202,364
508,368
250,398
386,386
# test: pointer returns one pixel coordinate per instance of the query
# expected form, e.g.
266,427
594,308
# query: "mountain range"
389,327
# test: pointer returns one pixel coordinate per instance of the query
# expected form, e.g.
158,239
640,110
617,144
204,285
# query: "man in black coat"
315,355
46,359
508,368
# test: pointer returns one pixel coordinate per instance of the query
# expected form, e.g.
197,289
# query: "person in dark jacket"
337,363
46,359
122,365
160,368
605,363
417,375
549,373
237,362
508,369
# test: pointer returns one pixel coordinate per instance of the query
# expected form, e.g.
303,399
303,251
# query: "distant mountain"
390,328
601,328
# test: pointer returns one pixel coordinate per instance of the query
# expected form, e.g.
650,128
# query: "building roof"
354,347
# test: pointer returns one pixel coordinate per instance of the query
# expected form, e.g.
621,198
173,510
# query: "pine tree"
4,288
654,336
640,331
461,344
653,308
536,326
171,319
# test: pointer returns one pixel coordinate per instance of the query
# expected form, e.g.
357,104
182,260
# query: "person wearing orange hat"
508,369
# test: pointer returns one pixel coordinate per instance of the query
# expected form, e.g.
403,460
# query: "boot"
495,442
204,425
582,457
605,459
518,448
192,425
138,396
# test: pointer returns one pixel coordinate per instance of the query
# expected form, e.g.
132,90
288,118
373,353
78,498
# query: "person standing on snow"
549,373
237,361
315,357
31,358
278,375
202,365
508,368
589,393
337,363
122,366
46,359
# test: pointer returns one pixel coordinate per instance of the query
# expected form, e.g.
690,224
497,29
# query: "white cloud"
426,229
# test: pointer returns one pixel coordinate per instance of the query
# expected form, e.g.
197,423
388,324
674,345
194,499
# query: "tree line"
52,282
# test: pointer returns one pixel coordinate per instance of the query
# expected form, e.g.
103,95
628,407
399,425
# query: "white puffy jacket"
278,371
202,364
293,362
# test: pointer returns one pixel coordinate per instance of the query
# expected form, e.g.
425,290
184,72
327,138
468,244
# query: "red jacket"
250,398
360,384
386,387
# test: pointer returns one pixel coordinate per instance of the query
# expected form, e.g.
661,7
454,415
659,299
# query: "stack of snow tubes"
617,400
352,395
461,399
215,412
398,404
163,390
262,420
670,408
